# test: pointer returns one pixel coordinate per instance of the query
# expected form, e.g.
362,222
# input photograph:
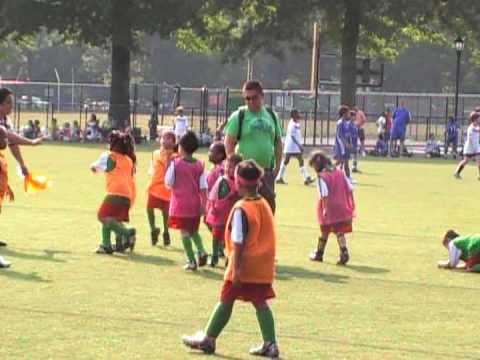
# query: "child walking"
186,178
221,198
465,248
471,148
335,210
250,245
118,164
158,193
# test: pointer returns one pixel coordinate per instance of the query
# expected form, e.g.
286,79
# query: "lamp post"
459,44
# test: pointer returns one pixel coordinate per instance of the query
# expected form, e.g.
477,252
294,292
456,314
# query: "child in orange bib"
118,164
158,194
250,247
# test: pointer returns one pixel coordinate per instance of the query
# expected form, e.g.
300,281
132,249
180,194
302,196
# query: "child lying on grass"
465,248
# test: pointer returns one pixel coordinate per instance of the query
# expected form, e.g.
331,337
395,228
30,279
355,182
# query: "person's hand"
24,170
93,169
10,194
236,279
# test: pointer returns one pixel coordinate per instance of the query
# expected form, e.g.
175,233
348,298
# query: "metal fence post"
328,118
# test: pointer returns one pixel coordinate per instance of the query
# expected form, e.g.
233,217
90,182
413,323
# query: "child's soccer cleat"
308,181
268,349
154,236
3,243
166,238
4,263
190,266
201,342
119,244
316,255
202,259
457,176
281,181
344,257
104,250
130,239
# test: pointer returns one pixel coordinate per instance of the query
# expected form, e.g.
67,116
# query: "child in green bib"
465,248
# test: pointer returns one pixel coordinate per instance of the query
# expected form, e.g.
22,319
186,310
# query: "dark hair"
474,116
294,113
4,94
189,142
234,159
319,161
449,236
253,85
342,110
219,147
249,170
124,143
172,136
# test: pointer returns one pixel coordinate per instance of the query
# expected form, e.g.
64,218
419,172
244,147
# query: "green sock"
165,222
218,319
267,324
187,246
118,228
198,243
215,249
476,268
151,218
106,239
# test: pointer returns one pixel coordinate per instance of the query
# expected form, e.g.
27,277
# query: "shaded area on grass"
287,272
46,255
146,259
15,275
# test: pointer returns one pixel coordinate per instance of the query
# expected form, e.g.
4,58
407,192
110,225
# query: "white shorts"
470,149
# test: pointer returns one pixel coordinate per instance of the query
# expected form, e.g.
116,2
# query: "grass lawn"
59,300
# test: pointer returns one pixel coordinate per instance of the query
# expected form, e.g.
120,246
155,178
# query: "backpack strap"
241,116
274,117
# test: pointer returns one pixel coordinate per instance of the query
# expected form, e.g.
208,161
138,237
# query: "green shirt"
259,132
469,245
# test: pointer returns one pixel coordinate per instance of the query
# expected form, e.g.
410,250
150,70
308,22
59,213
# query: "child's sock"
151,218
215,249
459,169
106,238
118,228
267,324
218,319
282,170
304,173
187,246
198,243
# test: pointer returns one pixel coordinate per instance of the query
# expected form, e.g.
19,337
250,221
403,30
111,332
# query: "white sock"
304,173
282,171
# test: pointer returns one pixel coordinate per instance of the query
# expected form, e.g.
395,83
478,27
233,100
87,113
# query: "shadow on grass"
287,272
210,274
214,356
360,184
367,269
47,255
14,275
146,259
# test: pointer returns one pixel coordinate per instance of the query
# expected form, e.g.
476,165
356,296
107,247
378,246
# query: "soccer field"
59,300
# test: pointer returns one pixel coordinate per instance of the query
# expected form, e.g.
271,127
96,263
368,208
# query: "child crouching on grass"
186,178
250,246
118,164
335,209
465,248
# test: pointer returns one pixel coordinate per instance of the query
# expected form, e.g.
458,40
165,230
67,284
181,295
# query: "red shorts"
218,233
157,203
473,260
116,211
189,225
254,293
343,227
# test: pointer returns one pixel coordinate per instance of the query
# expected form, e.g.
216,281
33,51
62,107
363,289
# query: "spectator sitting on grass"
66,132
432,148
381,147
54,131
37,131
76,132
92,132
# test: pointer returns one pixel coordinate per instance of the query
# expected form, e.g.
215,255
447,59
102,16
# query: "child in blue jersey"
381,147
451,136
342,148
353,135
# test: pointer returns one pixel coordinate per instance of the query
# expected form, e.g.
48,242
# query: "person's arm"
203,185
238,234
170,175
454,255
103,164
230,142
231,134
15,141
300,147
278,155
213,194
322,190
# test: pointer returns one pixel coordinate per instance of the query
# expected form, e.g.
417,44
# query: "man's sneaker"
268,349
154,236
201,342
3,243
316,255
166,238
104,250
308,181
190,266
4,263
344,257
457,176
202,259
281,181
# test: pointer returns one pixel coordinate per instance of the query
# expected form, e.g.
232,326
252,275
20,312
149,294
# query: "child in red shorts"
250,246
118,164
221,199
336,206
158,194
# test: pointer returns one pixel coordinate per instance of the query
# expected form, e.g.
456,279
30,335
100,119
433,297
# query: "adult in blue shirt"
401,118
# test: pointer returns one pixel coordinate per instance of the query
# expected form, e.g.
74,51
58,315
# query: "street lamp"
459,45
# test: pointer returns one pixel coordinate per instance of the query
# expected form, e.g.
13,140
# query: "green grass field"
59,300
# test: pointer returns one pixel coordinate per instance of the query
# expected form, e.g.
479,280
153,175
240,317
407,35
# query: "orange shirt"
258,255
156,186
120,181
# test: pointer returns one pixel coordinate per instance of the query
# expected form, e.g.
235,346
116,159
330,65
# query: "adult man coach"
253,131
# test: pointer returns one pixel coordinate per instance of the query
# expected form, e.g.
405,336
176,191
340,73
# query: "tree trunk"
350,37
119,111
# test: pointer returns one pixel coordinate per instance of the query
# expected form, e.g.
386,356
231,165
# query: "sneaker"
457,176
166,238
201,342
308,181
202,259
104,250
4,263
154,236
344,257
281,181
316,255
213,261
190,266
3,243
268,349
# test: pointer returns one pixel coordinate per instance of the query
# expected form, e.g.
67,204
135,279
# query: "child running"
335,210
186,178
118,164
221,198
465,248
471,148
158,193
250,245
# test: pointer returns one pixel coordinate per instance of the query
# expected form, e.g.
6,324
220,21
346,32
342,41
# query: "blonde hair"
179,109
